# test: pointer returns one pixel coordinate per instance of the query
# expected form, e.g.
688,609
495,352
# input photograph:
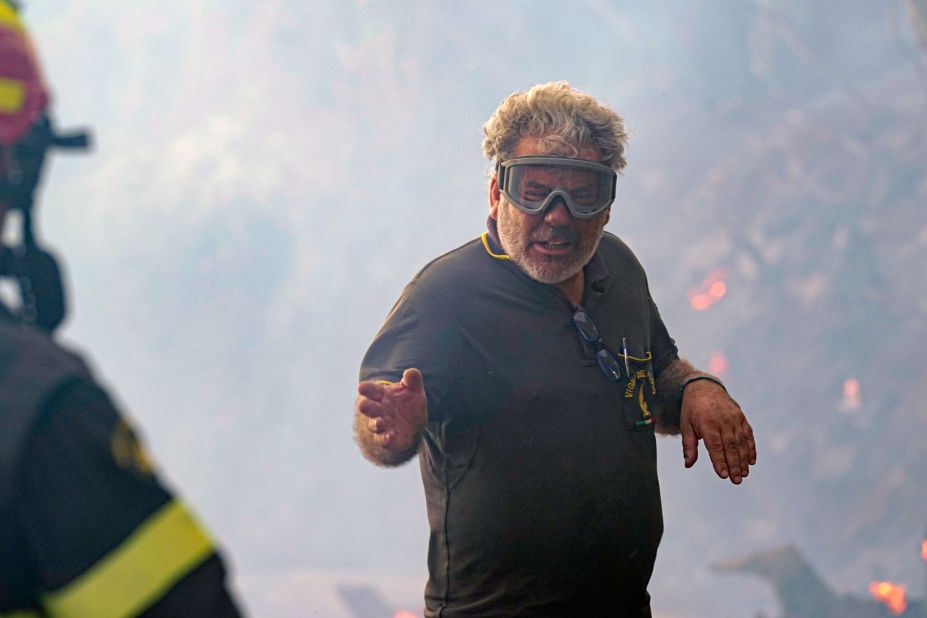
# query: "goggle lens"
532,183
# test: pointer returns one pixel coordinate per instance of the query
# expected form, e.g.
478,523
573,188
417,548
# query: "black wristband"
702,376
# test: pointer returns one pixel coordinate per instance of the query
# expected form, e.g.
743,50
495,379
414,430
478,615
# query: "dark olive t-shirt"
540,475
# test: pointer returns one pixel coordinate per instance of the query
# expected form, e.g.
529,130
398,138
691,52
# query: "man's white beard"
546,269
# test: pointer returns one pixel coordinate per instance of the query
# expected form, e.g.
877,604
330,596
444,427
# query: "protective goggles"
533,182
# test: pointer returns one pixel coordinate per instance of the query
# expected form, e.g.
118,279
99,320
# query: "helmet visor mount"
533,182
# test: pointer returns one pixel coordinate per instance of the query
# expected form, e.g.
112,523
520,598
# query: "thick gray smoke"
270,174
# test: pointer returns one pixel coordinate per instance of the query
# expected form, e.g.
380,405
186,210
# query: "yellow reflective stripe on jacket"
163,549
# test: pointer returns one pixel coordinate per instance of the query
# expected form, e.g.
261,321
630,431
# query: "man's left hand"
709,414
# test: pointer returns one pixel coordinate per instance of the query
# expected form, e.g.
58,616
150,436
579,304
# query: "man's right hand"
391,418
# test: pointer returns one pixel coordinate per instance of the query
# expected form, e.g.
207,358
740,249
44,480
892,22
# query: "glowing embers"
404,613
852,398
718,364
712,290
924,549
893,595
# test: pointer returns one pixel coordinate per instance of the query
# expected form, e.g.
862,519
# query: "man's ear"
494,197
608,215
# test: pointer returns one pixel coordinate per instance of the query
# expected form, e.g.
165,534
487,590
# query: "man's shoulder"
457,267
33,366
22,345
32,369
617,253
453,280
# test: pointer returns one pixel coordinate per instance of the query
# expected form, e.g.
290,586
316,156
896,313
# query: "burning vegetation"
712,290
893,595
825,247
803,593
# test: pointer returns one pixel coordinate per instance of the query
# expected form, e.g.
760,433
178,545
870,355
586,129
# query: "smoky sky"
267,176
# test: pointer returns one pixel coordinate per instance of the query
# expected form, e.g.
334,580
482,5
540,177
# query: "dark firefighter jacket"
86,527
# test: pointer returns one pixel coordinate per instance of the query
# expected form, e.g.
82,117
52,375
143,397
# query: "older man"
529,369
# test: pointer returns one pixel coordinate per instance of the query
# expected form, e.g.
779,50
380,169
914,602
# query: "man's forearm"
374,450
670,383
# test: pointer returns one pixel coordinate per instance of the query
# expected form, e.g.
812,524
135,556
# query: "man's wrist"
382,455
701,376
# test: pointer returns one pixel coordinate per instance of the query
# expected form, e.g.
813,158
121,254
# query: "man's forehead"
528,145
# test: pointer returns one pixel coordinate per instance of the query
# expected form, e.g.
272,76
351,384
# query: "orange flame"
712,290
852,399
404,613
718,364
924,549
893,595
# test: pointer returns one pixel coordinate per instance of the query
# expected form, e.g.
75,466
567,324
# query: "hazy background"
268,175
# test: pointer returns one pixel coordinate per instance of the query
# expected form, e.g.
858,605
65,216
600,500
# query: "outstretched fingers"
396,410
371,408
689,445
371,390
379,423
413,380
376,425
742,442
714,444
709,414
390,417
735,460
732,451
749,442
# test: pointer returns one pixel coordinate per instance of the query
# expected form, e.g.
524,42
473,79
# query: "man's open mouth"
553,246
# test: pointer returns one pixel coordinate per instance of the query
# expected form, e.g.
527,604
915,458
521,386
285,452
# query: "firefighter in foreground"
86,527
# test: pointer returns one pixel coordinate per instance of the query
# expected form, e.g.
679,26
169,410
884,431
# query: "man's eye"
536,193
583,196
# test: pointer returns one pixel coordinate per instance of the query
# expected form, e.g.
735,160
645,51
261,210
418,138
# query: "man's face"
553,246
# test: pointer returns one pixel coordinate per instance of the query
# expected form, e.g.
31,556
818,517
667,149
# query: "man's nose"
557,213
